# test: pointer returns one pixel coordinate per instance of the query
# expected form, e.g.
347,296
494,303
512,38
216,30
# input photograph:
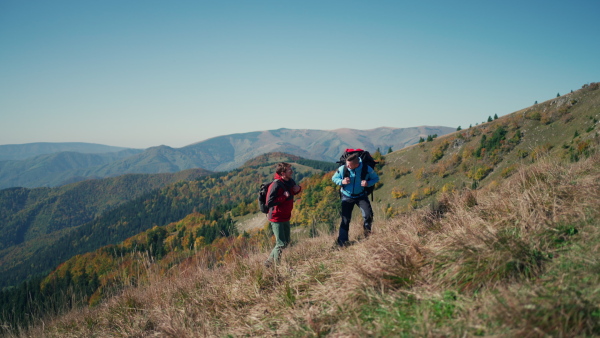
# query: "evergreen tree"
459,128
495,116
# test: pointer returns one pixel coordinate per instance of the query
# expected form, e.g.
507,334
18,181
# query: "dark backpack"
366,158
262,196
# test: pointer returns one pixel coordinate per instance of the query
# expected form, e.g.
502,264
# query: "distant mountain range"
24,151
54,164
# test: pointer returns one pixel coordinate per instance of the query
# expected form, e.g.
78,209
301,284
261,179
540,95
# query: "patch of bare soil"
255,221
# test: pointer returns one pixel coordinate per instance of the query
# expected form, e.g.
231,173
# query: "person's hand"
286,194
296,189
363,183
346,180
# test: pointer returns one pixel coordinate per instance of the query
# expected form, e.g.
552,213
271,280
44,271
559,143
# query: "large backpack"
262,196
366,158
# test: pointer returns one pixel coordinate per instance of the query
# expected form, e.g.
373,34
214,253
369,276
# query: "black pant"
347,207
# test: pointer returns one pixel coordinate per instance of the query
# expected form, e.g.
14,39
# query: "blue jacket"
354,189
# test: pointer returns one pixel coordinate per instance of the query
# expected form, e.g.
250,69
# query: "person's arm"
372,177
338,177
296,189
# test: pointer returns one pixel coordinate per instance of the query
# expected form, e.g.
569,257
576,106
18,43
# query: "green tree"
155,241
494,142
459,128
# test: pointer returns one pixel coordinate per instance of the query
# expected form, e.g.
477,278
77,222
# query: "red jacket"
280,206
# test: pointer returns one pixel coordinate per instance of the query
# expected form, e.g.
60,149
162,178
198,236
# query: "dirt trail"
256,221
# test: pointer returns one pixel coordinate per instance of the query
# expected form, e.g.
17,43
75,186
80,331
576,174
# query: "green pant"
282,239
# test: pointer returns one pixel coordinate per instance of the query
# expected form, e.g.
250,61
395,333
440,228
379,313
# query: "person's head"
352,161
284,170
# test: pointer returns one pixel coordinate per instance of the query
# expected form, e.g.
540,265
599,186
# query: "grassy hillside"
520,259
490,231
563,128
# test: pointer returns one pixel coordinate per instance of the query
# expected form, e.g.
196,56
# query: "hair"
352,158
282,167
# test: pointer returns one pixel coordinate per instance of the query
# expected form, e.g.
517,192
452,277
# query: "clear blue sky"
145,73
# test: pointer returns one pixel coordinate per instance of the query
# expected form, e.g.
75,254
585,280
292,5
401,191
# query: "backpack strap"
363,176
364,172
345,173
271,188
281,185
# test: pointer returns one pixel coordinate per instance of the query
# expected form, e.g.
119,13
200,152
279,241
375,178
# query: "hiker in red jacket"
280,201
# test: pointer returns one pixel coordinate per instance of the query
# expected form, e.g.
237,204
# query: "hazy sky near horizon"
146,73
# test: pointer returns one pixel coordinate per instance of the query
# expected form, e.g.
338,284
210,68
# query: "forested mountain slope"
32,220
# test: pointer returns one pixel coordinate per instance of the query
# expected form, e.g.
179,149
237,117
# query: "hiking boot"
336,246
367,233
268,263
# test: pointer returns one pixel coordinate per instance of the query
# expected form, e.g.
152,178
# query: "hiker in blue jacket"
353,193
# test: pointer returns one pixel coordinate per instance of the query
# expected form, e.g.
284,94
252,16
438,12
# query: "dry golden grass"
519,259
